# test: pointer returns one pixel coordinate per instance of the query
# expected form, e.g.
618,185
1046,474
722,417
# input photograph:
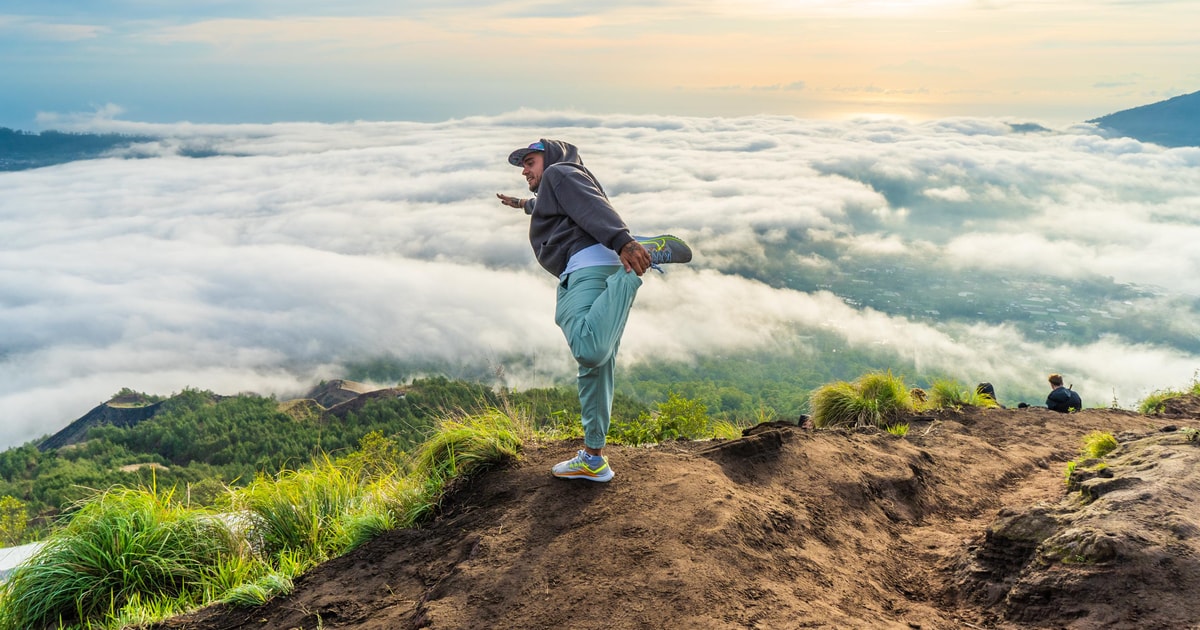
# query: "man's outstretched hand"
512,202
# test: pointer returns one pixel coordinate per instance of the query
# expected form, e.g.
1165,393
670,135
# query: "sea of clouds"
292,249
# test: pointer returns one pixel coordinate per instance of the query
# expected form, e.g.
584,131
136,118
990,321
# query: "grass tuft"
1097,444
124,547
469,445
1155,401
876,399
259,591
301,510
949,393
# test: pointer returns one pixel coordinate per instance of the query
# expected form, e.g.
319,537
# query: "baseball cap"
516,157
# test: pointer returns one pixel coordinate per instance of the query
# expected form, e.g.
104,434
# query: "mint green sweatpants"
593,306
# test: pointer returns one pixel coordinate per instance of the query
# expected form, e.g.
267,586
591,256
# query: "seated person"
1062,399
986,389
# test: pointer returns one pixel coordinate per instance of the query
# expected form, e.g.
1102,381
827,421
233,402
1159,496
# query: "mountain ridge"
129,410
1174,122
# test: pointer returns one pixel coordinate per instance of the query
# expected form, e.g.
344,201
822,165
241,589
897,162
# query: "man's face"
532,169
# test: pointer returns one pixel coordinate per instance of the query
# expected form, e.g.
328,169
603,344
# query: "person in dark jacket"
578,237
986,389
1062,399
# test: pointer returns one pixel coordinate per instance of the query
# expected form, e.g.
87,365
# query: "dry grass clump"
877,399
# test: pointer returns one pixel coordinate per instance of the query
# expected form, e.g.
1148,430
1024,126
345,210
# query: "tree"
13,520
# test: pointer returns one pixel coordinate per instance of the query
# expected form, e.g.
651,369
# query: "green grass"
301,510
948,393
133,556
123,550
1071,466
469,445
875,399
259,591
1097,444
1155,401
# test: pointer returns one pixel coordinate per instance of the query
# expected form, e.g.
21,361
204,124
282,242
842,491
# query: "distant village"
1040,308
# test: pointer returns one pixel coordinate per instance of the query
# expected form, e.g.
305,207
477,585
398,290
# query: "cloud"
297,248
45,30
775,87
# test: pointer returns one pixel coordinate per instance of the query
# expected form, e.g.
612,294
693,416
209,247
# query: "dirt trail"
964,523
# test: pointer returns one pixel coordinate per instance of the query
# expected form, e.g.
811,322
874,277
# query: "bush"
124,547
950,393
1155,401
464,447
301,510
677,418
876,399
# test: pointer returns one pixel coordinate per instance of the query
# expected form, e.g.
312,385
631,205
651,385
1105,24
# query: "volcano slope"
966,522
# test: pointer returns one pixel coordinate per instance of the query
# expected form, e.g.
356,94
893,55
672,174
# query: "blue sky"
268,61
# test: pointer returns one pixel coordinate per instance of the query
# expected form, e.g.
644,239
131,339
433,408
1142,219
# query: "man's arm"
581,199
517,202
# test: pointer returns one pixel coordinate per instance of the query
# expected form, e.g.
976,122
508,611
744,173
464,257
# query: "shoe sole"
680,252
588,477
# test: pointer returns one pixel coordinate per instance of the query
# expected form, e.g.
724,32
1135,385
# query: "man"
579,238
1062,399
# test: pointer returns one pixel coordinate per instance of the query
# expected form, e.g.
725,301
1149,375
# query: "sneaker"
579,468
665,249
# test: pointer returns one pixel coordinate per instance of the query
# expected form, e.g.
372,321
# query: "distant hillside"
20,150
1172,123
107,413
199,441
127,410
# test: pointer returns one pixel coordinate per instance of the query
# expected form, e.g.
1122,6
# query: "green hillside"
199,442
20,150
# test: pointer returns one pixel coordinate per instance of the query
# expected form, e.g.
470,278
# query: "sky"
350,209
260,61
300,247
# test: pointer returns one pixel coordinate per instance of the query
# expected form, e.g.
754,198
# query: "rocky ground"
967,522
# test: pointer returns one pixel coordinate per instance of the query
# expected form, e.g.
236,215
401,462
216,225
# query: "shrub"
1155,401
677,418
125,547
726,430
875,399
301,510
463,447
950,393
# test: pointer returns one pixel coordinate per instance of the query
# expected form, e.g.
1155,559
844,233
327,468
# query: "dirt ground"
965,523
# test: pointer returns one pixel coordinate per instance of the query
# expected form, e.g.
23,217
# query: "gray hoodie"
571,211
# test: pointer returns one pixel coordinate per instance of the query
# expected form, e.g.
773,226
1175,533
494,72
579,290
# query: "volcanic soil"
967,522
